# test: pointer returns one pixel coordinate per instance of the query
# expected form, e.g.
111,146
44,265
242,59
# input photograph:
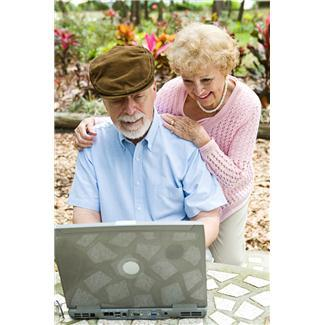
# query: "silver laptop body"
140,271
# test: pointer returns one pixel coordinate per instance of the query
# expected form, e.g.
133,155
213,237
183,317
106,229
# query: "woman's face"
206,86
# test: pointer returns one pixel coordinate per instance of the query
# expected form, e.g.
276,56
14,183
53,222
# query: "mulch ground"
257,227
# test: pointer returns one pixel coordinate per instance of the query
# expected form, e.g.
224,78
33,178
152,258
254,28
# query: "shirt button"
139,208
138,158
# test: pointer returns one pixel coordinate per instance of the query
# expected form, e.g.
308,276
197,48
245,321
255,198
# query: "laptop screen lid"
127,271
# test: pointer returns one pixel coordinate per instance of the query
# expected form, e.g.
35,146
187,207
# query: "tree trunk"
241,11
160,10
67,120
135,12
146,11
229,7
217,7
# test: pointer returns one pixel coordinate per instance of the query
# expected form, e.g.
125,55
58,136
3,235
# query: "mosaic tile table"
236,295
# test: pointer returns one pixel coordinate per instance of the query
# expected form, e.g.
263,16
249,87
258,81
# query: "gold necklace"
212,110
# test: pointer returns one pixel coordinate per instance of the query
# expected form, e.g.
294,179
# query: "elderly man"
137,169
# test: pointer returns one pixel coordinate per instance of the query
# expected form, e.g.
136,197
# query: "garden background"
86,29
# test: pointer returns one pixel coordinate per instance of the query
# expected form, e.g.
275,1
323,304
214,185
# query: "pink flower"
155,45
110,13
151,41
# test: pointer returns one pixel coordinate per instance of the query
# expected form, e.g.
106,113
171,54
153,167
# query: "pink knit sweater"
233,132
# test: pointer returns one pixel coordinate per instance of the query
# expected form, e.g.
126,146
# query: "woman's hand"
187,129
84,133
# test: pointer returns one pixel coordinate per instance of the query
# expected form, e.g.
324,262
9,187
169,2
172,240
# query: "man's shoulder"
172,140
105,130
106,136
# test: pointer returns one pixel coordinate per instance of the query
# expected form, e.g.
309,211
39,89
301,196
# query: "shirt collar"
151,135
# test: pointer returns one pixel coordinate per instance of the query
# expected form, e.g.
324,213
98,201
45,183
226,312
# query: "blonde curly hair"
198,45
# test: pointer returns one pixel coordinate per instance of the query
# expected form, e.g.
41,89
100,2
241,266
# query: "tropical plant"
64,43
262,52
111,13
157,46
125,34
91,107
92,35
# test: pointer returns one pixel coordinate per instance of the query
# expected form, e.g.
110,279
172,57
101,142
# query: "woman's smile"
204,96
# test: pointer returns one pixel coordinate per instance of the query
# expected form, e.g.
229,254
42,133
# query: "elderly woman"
219,114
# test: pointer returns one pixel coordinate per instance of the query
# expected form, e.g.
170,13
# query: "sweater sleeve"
169,97
234,168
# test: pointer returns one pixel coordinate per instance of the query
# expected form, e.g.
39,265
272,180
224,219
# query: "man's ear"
154,86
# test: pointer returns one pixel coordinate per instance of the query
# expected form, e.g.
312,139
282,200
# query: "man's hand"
211,222
82,215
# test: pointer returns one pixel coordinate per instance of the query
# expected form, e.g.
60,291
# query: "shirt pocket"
167,203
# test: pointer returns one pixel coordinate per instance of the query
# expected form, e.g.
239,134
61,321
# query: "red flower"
110,13
64,38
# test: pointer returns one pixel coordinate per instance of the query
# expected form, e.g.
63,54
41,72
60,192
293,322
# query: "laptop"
147,270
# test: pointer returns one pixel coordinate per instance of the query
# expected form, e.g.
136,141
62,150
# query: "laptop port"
108,314
92,314
117,314
185,313
154,314
136,314
196,313
124,314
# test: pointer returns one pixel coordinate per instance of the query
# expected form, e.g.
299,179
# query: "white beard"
137,133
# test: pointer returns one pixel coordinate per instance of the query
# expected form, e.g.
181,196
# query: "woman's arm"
84,133
230,168
233,167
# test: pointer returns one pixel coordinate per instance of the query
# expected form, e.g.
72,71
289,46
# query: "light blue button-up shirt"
163,177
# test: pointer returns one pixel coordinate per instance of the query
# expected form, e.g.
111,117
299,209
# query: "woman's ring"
172,122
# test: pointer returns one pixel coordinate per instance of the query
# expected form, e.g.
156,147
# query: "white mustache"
130,118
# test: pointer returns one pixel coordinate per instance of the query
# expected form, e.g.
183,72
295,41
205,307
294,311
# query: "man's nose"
130,108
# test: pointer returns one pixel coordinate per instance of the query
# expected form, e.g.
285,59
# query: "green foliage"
93,6
235,5
92,107
97,33
121,7
92,35
242,32
147,26
198,6
62,6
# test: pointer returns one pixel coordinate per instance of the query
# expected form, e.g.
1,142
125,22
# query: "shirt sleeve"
201,188
84,191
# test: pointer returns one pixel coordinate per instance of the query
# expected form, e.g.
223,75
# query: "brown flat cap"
122,71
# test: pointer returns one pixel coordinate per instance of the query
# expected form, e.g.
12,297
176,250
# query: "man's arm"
211,221
82,215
